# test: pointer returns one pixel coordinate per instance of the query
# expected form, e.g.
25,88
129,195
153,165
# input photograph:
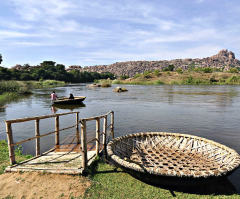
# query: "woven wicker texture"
173,154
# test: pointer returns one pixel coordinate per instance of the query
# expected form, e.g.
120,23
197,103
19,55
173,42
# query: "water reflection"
56,107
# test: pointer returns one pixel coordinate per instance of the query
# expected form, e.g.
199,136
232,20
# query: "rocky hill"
223,60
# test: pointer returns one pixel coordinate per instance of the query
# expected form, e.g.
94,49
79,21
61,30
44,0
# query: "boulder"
120,89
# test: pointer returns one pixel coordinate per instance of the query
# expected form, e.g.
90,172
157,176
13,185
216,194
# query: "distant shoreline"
182,78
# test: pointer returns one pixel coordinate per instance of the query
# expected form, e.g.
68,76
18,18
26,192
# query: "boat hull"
66,101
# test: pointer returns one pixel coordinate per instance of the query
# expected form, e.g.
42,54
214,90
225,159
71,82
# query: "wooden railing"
84,141
80,139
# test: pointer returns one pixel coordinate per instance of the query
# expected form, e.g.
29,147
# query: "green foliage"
4,157
156,73
147,74
81,77
122,77
137,75
0,58
207,70
158,82
191,66
233,80
179,71
204,70
169,68
106,83
50,70
233,70
194,81
116,81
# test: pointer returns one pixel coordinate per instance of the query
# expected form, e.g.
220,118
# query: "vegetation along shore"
182,78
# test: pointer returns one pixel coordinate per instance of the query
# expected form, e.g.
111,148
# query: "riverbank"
13,90
4,155
182,78
104,181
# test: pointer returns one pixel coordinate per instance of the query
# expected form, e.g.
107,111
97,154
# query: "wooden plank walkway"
65,159
69,157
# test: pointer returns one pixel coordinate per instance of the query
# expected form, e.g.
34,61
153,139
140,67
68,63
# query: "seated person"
71,96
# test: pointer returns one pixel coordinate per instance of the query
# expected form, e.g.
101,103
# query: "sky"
93,32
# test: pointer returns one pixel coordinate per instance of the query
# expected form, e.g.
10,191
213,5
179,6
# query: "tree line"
50,70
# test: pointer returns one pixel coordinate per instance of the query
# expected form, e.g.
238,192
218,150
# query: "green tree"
0,58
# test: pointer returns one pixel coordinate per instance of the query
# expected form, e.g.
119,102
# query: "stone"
224,59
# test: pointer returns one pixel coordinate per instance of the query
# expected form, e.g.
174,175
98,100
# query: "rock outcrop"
223,60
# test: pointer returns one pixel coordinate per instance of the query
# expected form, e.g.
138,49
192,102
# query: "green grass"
111,182
15,90
4,157
199,77
47,83
105,83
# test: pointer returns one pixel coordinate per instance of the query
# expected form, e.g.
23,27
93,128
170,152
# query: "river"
208,111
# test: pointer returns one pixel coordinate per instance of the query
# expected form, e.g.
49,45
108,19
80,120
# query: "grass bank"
4,157
104,82
111,182
182,78
13,90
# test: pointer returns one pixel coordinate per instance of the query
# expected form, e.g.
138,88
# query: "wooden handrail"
38,117
97,117
80,139
43,135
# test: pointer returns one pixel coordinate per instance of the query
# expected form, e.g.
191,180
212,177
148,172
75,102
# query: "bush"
179,71
233,80
147,74
106,83
158,82
9,86
169,68
137,75
233,70
116,81
207,70
156,73
123,77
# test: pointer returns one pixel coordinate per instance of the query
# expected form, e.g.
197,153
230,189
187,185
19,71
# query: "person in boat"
71,96
53,96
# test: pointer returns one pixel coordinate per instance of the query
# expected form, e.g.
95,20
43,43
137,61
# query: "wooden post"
57,130
77,128
105,135
97,135
112,124
10,142
37,133
84,144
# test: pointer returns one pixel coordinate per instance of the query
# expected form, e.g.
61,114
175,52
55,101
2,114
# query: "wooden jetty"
65,159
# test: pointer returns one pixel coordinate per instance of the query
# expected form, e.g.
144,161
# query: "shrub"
179,70
106,83
158,82
147,74
122,77
169,68
116,81
207,70
233,70
156,73
233,80
137,75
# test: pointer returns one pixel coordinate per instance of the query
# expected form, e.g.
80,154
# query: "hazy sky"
89,32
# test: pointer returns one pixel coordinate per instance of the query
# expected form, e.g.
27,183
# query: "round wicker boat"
173,155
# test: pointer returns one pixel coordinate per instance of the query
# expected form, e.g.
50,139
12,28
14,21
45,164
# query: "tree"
0,58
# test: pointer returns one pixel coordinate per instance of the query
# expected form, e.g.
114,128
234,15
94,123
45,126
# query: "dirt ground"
42,185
